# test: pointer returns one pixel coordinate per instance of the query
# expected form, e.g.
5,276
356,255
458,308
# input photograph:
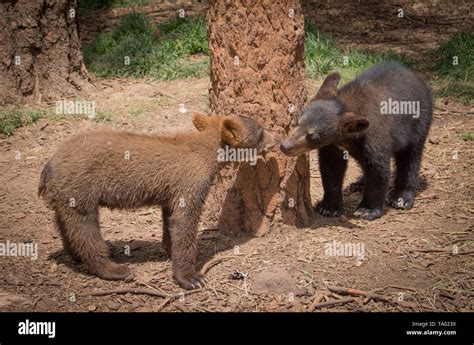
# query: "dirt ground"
416,260
407,252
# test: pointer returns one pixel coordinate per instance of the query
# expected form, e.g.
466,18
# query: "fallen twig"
332,303
150,292
214,262
438,250
162,305
354,292
400,287
122,291
319,297
461,239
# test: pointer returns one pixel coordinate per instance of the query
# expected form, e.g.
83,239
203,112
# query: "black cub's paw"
354,187
328,209
190,281
401,200
368,213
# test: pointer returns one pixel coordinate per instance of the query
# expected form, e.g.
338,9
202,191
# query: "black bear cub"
385,112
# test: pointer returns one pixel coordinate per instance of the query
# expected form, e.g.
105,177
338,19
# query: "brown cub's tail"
46,174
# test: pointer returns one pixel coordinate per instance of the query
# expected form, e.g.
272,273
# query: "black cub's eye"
312,137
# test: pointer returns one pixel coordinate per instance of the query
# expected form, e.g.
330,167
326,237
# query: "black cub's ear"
352,123
329,87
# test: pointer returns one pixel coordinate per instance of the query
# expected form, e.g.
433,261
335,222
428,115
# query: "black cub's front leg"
332,166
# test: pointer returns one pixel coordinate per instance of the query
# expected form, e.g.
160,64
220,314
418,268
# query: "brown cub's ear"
232,132
329,87
352,123
201,121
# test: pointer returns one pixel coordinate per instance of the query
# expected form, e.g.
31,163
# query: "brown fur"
92,170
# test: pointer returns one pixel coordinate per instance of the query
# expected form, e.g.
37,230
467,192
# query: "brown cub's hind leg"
82,235
183,232
66,244
166,242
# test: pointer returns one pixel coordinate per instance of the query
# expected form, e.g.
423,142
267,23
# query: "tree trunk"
40,55
257,70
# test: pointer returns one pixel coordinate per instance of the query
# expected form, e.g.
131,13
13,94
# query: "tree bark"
257,70
40,55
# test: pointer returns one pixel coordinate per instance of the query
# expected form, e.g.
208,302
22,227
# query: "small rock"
237,275
91,307
234,299
113,305
300,292
273,280
19,215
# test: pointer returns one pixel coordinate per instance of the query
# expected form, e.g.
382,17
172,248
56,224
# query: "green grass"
15,117
19,116
456,79
178,49
460,45
102,116
322,56
467,136
85,6
175,49
462,91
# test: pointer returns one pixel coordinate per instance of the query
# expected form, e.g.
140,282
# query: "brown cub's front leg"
183,230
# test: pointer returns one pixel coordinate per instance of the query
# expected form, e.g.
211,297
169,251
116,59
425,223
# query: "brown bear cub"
385,112
125,170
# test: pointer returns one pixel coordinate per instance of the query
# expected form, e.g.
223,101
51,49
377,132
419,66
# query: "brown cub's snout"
269,141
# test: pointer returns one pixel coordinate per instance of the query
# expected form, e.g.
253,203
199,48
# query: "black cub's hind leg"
332,166
357,186
408,165
376,178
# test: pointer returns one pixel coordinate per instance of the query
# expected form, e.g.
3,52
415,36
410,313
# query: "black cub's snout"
284,147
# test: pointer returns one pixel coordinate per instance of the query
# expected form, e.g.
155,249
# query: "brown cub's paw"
191,281
368,213
328,209
111,271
